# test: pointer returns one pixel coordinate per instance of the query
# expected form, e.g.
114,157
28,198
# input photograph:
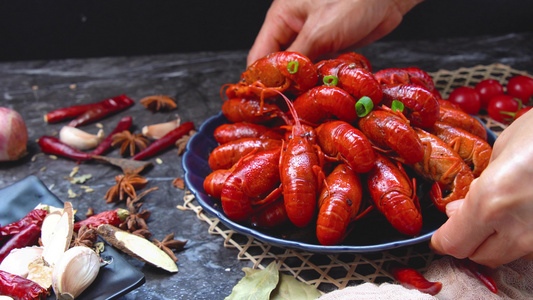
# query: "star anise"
86,236
168,244
136,221
129,141
158,102
127,184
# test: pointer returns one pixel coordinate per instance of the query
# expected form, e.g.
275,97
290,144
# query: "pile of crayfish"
321,144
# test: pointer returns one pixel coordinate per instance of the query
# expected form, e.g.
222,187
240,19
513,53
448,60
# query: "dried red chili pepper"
28,236
20,288
166,141
478,271
68,112
412,279
113,217
123,124
35,216
103,109
52,145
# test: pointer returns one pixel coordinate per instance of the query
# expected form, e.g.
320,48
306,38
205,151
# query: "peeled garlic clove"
17,261
57,234
74,272
157,131
80,139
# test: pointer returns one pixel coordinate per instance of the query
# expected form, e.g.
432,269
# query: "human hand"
493,225
317,27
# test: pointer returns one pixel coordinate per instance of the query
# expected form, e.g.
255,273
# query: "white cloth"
514,281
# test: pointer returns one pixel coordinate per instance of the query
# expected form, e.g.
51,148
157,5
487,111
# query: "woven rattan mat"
329,272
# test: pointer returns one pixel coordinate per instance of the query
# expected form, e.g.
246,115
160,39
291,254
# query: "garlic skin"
13,135
80,139
17,261
77,268
157,131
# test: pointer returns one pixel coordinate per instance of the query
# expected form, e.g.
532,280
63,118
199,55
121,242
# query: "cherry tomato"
467,98
503,108
522,111
487,89
521,87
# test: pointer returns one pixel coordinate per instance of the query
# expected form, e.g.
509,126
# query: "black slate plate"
114,280
372,233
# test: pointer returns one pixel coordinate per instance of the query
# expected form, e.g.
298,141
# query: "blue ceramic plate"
113,280
370,234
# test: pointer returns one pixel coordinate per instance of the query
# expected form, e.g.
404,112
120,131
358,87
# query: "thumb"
453,206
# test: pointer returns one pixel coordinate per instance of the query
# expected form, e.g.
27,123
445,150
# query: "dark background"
38,29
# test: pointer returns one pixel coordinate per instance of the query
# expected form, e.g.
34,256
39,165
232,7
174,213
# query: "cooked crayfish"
460,119
408,75
338,203
288,130
254,181
252,111
391,131
301,172
445,167
350,77
394,196
323,102
474,150
226,155
234,131
282,71
347,143
422,107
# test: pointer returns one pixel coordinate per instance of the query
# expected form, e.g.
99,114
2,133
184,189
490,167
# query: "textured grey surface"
207,269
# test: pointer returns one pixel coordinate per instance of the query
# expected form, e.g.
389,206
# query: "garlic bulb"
80,139
74,272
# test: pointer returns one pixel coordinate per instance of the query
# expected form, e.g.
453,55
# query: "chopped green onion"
292,66
364,106
330,80
397,106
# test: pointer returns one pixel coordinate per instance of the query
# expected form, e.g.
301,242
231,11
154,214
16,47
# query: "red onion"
13,135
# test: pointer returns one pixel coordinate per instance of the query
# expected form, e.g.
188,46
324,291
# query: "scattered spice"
168,244
158,102
86,236
123,124
90,212
71,194
135,222
129,141
181,143
74,171
80,179
179,183
126,184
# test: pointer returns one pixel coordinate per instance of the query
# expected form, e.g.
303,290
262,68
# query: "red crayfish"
330,163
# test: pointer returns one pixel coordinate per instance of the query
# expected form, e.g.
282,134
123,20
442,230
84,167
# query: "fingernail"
452,207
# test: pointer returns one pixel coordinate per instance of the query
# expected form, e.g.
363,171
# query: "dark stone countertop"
207,269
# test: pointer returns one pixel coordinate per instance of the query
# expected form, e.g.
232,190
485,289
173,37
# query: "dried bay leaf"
290,288
256,284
